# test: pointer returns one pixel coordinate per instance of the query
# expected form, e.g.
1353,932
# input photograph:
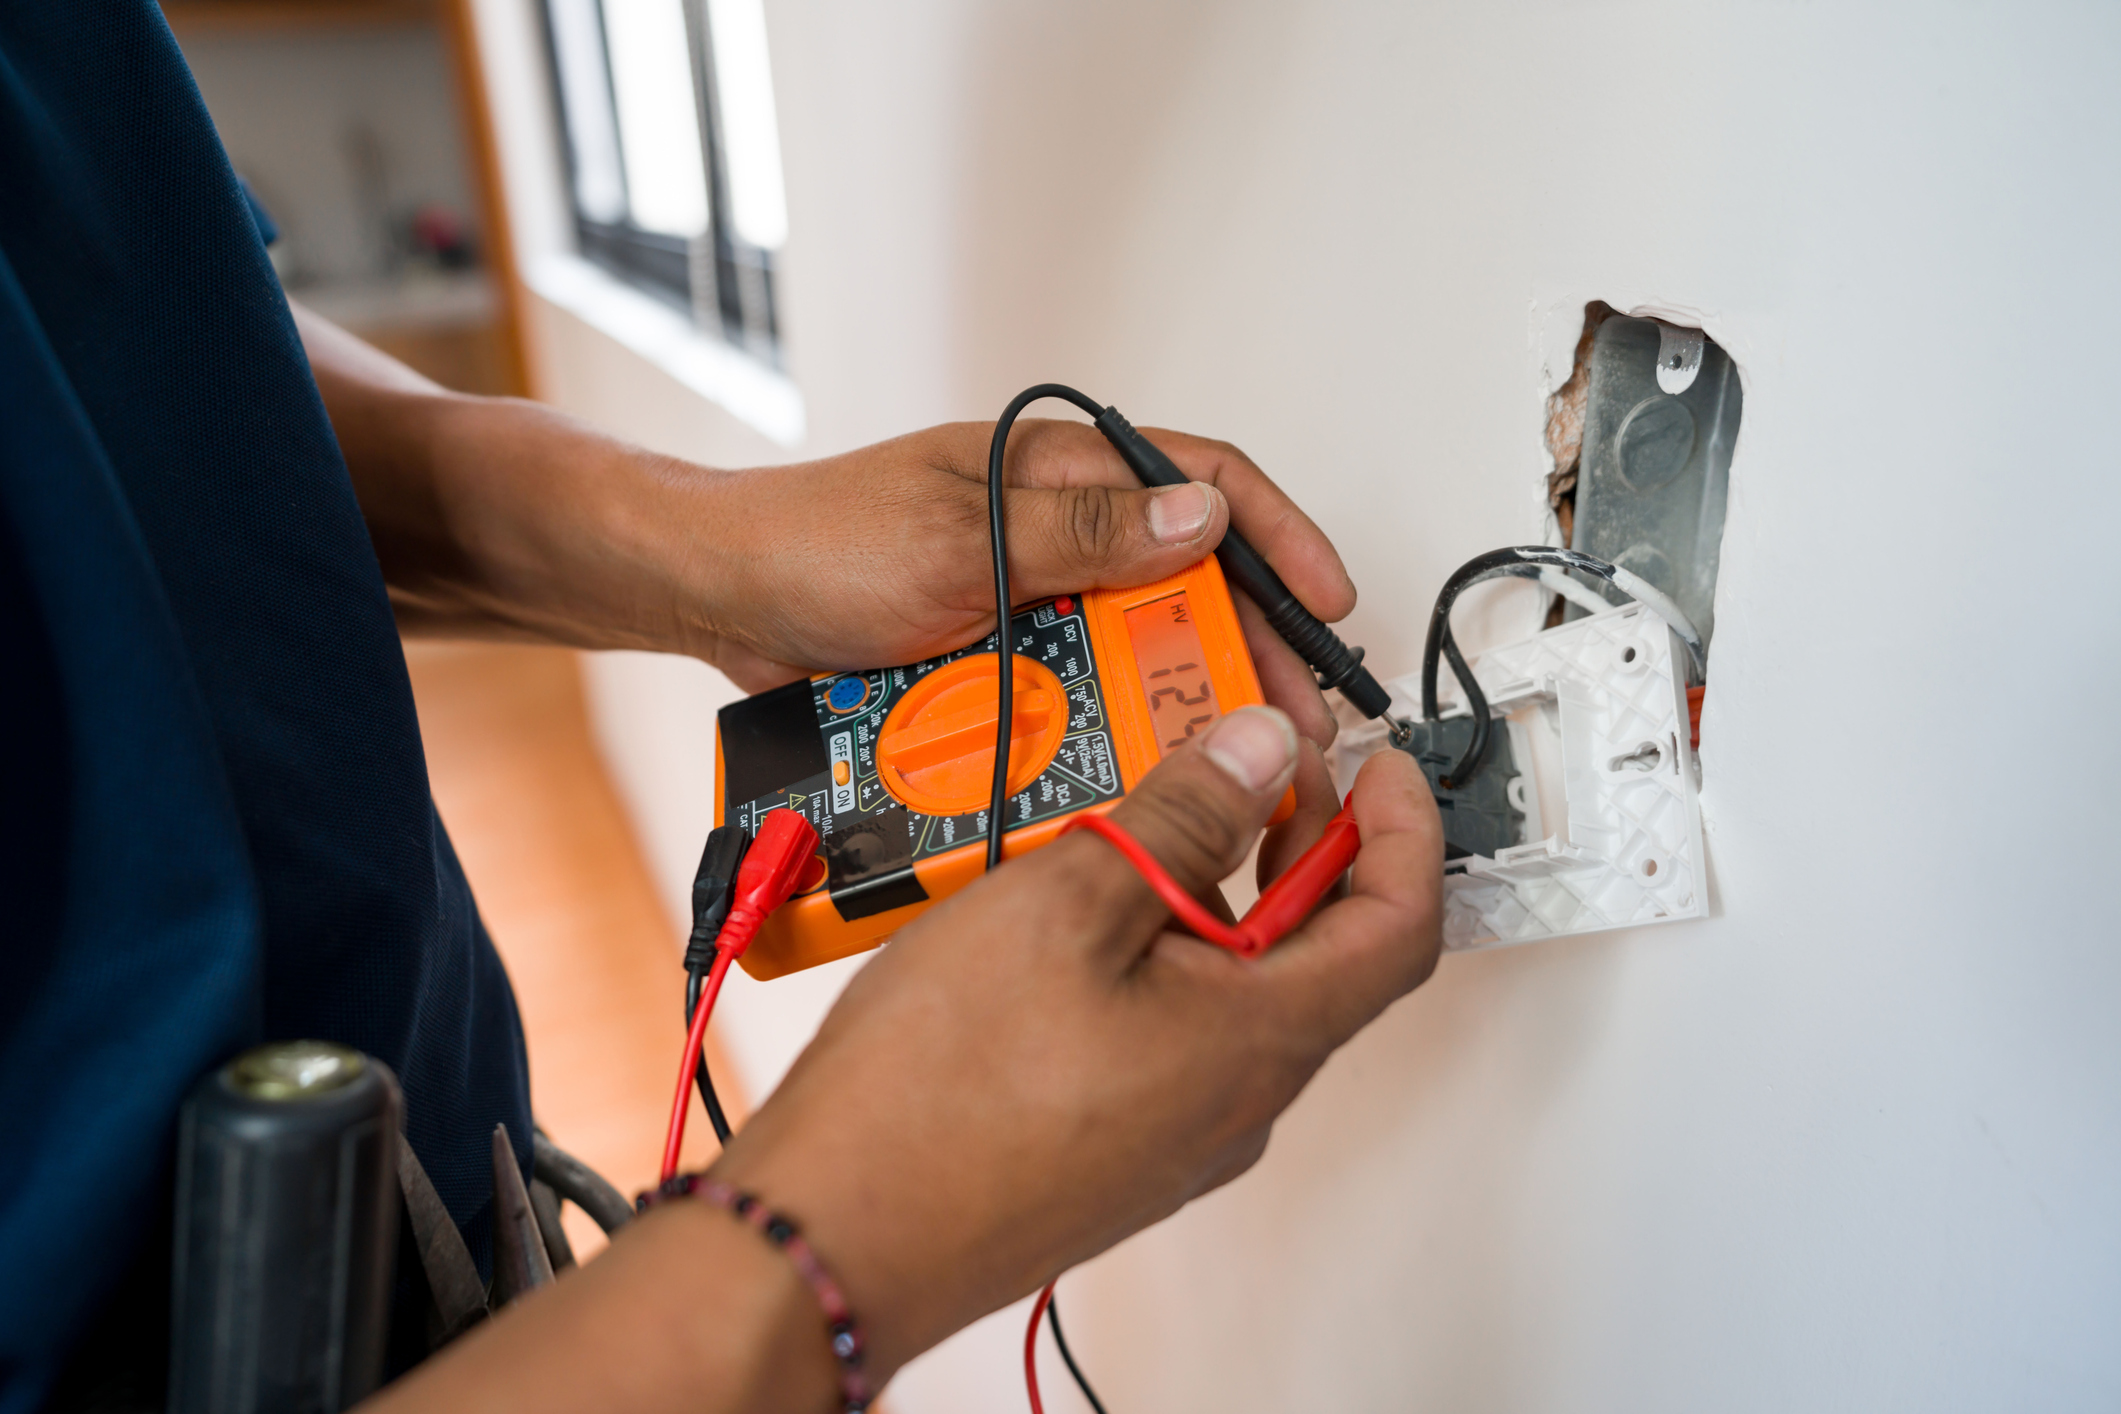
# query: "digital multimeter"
894,766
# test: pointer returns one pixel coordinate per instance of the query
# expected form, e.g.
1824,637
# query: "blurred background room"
1850,1142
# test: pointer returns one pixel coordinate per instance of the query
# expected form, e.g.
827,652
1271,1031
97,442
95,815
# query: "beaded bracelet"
844,1333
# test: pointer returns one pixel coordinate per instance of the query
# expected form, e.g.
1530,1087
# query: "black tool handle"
286,1231
1336,664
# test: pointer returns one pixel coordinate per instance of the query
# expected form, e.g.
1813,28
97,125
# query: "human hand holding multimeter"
897,768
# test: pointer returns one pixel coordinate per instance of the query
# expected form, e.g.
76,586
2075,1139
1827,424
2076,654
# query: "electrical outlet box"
1605,784
1660,422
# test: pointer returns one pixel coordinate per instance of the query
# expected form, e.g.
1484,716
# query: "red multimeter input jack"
893,766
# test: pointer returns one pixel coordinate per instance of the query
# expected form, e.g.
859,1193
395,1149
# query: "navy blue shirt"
217,827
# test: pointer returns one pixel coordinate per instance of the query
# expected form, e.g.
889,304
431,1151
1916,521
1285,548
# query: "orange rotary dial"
935,753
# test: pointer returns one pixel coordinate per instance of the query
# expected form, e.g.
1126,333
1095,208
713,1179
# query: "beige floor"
561,883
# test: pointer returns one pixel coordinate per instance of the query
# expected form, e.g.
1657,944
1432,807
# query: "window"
674,156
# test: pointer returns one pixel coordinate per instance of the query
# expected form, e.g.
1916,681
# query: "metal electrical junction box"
1659,425
1585,814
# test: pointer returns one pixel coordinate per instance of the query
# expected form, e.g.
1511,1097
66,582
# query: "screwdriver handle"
1337,665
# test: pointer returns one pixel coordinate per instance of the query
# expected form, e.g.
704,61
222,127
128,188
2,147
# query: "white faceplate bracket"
1597,717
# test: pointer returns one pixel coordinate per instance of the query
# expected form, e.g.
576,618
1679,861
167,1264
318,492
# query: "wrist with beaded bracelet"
843,1334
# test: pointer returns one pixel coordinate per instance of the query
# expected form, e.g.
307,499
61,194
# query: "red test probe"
1282,904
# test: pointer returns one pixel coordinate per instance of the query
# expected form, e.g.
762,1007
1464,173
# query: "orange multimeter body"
895,766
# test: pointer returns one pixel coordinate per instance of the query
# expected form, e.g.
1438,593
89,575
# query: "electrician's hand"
1038,1067
881,556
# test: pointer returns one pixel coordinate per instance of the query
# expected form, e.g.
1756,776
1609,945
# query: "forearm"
498,518
689,1312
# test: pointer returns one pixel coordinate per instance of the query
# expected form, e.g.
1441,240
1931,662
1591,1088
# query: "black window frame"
721,281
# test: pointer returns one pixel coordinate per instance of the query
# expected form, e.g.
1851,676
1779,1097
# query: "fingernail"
1256,745
1177,513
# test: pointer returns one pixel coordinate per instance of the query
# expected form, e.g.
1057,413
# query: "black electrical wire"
695,978
1068,1356
1004,657
1476,751
1524,560
1007,704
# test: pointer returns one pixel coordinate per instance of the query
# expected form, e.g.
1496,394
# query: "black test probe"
1337,665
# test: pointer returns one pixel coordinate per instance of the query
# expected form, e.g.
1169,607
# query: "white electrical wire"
1659,603
1546,557
1584,598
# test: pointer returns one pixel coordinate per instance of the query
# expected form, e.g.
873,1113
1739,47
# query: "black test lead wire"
1005,666
1337,665
694,978
1003,632
1067,1356
712,884
1525,561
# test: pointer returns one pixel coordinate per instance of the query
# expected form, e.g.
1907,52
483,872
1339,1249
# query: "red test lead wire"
1282,904
1038,1309
772,870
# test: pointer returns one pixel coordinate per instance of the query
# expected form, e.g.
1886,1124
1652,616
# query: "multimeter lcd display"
1168,651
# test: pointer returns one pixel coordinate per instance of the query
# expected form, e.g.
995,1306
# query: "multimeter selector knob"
935,754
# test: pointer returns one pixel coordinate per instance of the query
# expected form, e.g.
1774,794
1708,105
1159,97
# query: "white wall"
1852,1144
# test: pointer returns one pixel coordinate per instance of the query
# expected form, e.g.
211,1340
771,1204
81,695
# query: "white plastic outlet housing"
1597,717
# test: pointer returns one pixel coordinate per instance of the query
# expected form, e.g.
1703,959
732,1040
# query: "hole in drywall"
1565,414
